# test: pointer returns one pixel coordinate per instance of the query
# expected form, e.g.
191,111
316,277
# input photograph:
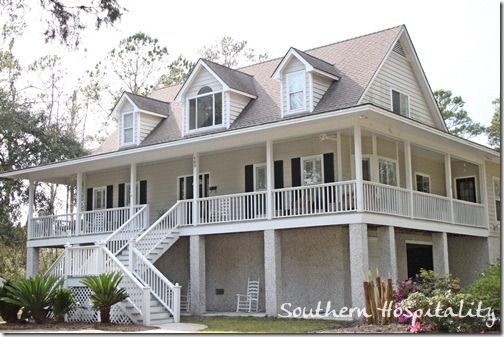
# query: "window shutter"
249,178
396,102
328,167
296,171
278,173
110,196
143,192
120,196
89,199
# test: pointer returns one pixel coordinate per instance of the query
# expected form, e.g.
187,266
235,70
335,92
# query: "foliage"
456,117
487,287
105,292
232,53
494,130
35,295
178,72
8,311
63,303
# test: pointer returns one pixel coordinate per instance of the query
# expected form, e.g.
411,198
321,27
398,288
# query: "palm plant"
35,295
105,292
63,303
8,311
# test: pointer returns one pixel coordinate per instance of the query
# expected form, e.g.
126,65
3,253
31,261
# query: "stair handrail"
57,268
136,223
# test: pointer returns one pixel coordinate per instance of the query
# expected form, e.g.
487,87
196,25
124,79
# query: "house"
312,169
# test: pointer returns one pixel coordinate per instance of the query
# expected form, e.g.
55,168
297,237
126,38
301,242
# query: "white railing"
52,226
58,267
469,213
166,292
336,197
386,199
119,239
431,207
232,207
179,214
103,220
81,261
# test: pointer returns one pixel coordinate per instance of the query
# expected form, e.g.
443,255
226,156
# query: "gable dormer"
213,96
136,117
304,80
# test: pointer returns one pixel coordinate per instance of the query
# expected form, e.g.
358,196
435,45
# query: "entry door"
466,189
419,257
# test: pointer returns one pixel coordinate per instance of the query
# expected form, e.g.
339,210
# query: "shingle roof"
234,79
149,104
318,63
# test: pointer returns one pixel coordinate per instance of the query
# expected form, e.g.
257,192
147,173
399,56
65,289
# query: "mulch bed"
75,326
361,327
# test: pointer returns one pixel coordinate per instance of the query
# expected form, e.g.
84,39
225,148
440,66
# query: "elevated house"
311,170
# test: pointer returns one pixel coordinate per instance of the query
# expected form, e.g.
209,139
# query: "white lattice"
84,312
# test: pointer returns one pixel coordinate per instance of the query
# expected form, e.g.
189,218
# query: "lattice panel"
84,312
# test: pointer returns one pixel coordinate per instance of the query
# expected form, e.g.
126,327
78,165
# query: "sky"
457,41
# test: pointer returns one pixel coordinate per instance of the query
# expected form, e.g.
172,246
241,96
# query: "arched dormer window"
205,109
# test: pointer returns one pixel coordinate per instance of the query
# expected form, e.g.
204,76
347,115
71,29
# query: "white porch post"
409,175
133,179
195,206
272,270
359,261
269,178
449,185
358,167
197,274
31,198
483,191
32,261
440,253
387,249
78,204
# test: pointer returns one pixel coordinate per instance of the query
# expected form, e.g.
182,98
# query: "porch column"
32,261
409,175
31,198
358,166
440,253
195,206
133,180
78,204
269,178
272,270
359,261
197,274
483,191
387,249
449,187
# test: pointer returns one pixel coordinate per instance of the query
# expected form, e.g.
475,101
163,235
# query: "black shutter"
89,199
278,173
296,171
249,178
120,196
110,196
396,102
143,192
328,167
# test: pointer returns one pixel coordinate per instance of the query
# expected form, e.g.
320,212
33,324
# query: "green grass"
216,324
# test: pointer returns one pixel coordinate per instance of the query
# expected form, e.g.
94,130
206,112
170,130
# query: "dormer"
213,96
136,117
304,80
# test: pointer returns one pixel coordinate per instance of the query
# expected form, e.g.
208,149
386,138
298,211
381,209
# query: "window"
497,197
127,122
296,91
366,169
387,171
422,182
466,188
99,197
205,110
400,103
127,194
260,177
185,186
312,170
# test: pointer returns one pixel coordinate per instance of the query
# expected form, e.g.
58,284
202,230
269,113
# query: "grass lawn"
260,324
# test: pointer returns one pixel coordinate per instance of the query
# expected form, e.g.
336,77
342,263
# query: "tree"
178,71
232,53
456,117
494,130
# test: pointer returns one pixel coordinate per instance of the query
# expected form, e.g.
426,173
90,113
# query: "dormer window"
205,110
296,85
127,123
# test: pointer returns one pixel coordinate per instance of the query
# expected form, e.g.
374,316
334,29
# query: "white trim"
242,93
122,141
309,68
395,161
205,128
392,89
152,113
287,76
313,157
475,187
418,242
255,180
124,96
323,73
417,173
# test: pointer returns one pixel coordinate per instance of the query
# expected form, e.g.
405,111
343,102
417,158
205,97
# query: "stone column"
440,253
272,271
32,261
387,252
359,261
197,274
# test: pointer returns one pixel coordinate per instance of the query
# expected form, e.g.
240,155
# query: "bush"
105,292
8,311
487,288
63,303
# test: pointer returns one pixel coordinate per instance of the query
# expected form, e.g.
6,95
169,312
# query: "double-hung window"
497,197
99,197
260,177
296,91
127,125
205,110
127,194
422,182
312,170
387,171
400,103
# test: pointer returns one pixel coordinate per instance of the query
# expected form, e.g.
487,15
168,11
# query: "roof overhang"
277,74
124,97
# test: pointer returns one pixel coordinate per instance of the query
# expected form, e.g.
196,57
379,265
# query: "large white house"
312,169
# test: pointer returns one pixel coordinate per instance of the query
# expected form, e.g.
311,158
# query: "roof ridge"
315,57
141,96
221,65
167,86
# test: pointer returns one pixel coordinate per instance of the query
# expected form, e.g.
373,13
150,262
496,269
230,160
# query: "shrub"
487,288
8,311
63,303
35,295
105,292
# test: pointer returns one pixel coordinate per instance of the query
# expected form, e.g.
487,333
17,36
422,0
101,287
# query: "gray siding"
147,124
237,103
320,86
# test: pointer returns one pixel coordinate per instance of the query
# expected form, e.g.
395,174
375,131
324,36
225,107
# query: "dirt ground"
361,327
75,326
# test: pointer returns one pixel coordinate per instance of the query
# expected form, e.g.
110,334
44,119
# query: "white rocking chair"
185,300
250,301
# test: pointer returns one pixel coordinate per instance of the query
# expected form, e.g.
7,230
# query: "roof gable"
311,63
142,104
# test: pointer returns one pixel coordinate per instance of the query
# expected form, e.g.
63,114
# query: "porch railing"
385,199
431,207
469,213
233,207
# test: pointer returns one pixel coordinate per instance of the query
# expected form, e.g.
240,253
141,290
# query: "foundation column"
197,274
387,250
359,261
272,271
32,261
440,252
